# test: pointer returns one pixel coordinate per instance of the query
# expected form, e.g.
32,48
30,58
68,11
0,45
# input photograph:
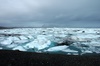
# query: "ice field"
69,41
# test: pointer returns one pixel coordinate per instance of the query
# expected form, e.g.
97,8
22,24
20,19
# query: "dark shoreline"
17,58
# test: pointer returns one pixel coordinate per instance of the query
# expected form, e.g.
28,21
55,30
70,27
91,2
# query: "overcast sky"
63,13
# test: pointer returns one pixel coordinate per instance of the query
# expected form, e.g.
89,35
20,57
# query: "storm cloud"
62,13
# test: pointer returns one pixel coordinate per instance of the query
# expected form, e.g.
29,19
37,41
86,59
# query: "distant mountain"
2,27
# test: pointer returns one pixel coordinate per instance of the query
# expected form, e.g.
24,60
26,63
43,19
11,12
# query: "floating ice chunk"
1,48
87,36
20,41
40,43
87,51
60,35
30,37
7,41
15,38
11,46
74,38
89,31
57,48
80,38
22,37
57,39
19,48
41,37
69,52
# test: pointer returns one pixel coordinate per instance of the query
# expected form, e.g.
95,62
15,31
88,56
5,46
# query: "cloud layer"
63,13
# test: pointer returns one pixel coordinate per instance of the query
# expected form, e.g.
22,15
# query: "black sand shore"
16,58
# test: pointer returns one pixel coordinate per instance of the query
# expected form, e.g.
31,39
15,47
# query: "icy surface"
57,48
75,41
40,43
19,48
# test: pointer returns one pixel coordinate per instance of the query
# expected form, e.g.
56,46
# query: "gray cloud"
72,13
